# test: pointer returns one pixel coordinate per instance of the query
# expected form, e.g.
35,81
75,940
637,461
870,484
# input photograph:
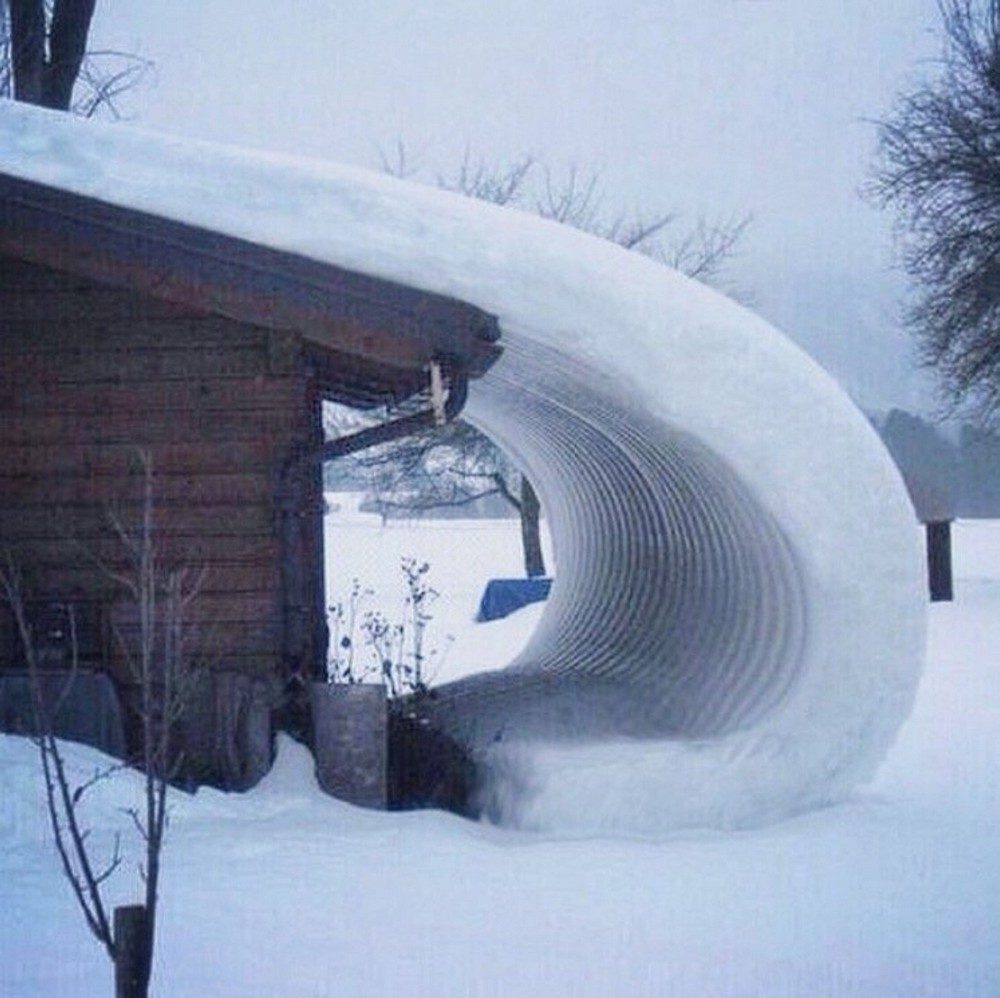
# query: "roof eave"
351,313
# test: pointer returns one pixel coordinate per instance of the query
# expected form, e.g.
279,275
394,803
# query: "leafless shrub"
369,645
84,872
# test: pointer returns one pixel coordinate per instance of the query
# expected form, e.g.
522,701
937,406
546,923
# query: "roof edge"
356,314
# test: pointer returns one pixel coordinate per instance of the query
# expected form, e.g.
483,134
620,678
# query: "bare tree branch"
62,805
44,59
160,657
398,162
498,184
940,169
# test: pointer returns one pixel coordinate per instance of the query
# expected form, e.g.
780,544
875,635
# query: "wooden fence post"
939,560
131,951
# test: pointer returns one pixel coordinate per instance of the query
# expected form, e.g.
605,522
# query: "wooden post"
939,560
132,955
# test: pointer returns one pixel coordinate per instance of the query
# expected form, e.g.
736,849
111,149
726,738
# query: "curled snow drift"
737,627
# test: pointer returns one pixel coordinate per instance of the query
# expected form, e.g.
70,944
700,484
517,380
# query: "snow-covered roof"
736,628
157,244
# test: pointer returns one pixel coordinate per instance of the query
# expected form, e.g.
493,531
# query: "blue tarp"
503,596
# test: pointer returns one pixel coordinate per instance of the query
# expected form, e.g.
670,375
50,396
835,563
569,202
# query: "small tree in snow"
159,657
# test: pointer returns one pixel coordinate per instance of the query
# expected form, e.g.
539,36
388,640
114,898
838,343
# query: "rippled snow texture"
737,629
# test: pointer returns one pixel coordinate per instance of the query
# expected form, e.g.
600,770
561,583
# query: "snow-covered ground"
284,892
463,556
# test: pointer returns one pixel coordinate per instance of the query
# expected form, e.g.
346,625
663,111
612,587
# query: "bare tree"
44,58
456,465
449,467
577,199
160,661
452,466
159,657
940,169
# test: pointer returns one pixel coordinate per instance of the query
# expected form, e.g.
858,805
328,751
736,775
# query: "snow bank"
737,627
892,893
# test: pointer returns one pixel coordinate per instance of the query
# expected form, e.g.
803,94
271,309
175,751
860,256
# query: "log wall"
90,373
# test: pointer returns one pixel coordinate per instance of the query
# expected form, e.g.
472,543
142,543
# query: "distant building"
928,462
945,479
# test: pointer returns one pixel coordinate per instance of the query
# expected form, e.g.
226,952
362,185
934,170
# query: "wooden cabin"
121,332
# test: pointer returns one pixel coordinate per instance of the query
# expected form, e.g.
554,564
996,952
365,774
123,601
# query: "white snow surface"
282,891
463,555
737,628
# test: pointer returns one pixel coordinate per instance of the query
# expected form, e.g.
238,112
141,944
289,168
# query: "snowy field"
463,556
284,892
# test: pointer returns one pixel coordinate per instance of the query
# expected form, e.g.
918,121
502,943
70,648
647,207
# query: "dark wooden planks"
88,374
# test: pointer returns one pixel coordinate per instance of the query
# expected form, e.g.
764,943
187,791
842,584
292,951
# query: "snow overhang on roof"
736,626
388,326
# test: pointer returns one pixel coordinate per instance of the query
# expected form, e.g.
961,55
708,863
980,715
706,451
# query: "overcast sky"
714,107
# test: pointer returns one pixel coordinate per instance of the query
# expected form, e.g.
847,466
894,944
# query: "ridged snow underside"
678,609
736,631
